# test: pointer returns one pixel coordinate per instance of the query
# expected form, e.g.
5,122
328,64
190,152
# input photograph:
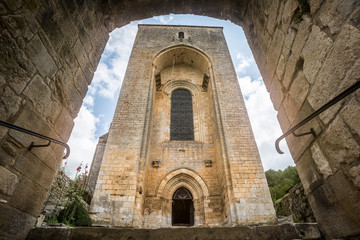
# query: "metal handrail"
32,145
336,99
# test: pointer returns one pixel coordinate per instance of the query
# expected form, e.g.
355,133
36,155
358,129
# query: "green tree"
281,181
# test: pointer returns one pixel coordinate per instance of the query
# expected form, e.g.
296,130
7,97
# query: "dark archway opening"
182,208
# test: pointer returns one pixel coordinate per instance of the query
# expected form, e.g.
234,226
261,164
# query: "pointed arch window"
182,124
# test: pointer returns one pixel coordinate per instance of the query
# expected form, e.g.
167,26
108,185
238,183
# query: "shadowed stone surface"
279,232
56,45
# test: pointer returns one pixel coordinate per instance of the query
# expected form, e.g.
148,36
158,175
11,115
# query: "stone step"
273,232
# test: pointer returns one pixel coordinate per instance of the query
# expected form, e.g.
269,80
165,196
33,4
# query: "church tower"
180,150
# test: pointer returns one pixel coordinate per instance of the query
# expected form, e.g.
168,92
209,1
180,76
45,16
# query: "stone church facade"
180,150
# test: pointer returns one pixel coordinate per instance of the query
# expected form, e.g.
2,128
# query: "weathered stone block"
40,57
14,224
2,9
29,120
271,23
314,52
332,80
338,145
274,51
298,145
40,95
277,93
314,5
13,5
355,175
64,125
291,108
10,148
289,39
66,92
8,181
10,103
31,167
299,89
350,114
302,34
81,83
21,25
333,13
335,206
24,199
50,22
287,13
290,70
16,64
320,160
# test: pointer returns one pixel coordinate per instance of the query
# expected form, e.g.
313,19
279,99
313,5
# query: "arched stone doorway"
182,208
55,52
193,185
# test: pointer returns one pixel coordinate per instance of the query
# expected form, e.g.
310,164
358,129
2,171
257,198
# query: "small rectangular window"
181,34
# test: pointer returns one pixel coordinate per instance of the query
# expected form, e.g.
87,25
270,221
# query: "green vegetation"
73,213
281,181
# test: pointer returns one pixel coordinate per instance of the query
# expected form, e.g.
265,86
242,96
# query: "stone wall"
305,64
296,205
96,163
51,49
285,231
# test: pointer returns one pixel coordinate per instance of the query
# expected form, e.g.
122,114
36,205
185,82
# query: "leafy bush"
75,214
281,181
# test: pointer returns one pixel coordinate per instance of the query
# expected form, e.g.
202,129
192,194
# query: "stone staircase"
273,232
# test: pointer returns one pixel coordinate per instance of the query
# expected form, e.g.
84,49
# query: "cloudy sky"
99,104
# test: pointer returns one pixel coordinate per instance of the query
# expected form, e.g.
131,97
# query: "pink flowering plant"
74,213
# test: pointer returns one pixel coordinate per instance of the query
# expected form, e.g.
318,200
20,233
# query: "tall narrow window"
182,125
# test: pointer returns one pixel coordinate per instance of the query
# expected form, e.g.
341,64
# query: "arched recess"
172,85
168,184
197,62
183,54
194,183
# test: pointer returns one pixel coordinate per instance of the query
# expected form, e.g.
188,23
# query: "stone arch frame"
169,87
196,50
190,180
186,84
262,22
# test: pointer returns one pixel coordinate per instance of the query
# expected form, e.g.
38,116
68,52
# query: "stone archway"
52,51
188,179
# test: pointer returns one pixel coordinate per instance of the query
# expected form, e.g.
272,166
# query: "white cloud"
244,62
82,141
265,125
107,81
110,72
164,19
89,101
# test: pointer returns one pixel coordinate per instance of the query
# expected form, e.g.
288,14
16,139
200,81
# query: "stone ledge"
285,231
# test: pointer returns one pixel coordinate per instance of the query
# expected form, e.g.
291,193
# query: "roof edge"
163,25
